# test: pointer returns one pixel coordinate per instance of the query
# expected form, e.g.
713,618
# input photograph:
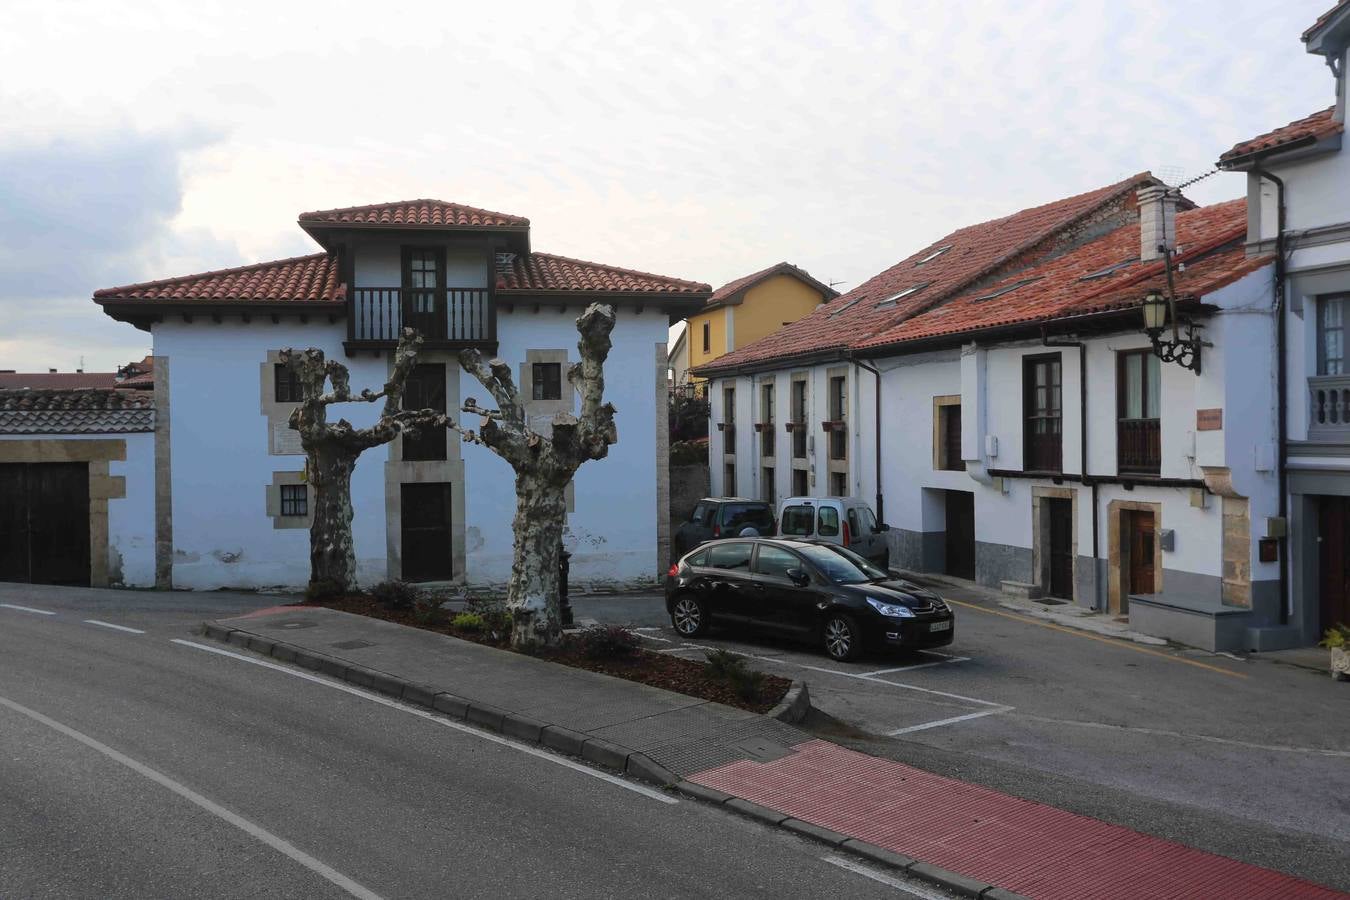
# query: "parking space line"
28,609
940,662
940,722
1115,642
114,627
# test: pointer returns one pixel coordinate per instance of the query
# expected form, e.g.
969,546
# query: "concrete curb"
952,881
482,715
794,706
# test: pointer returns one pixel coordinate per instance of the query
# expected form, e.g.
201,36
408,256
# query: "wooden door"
425,389
1333,535
1142,536
1060,514
427,554
44,523
960,538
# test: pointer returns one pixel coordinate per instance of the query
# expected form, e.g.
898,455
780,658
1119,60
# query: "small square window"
295,500
547,379
288,388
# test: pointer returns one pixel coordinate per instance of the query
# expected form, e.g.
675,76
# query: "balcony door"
1043,409
424,291
1139,398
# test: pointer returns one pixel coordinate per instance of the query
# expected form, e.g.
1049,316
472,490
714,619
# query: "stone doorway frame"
1118,552
1040,535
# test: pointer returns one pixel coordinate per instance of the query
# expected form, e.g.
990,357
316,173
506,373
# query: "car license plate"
940,626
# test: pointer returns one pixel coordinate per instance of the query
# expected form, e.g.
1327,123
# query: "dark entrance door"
425,389
427,553
1333,534
960,541
44,523
1060,514
1141,553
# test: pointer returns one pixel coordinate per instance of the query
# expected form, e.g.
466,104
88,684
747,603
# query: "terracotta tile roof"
1316,126
414,214
1324,19
729,292
1094,278
533,272
91,411
925,278
311,278
14,381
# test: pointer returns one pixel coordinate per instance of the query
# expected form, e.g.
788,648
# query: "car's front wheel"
689,615
842,639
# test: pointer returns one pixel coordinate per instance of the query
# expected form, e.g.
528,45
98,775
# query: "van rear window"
829,521
797,520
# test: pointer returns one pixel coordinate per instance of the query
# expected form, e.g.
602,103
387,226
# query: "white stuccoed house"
231,506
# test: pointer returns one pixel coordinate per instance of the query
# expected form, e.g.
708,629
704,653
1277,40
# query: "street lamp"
1159,309
1155,313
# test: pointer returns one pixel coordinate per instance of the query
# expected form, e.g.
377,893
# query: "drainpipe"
881,509
1083,453
1282,404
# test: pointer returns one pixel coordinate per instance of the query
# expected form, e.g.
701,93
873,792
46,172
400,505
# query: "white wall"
131,519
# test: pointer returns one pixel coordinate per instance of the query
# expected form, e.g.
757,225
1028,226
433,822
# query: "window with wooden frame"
423,291
800,483
799,418
287,385
728,424
546,381
707,337
838,484
1331,334
1138,421
294,500
425,389
947,434
838,414
1043,426
766,478
766,438
729,481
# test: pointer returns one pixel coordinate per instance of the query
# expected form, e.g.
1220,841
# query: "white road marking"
40,612
115,627
940,722
215,809
888,880
650,793
652,637
940,662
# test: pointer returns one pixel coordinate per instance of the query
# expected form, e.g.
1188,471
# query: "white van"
846,521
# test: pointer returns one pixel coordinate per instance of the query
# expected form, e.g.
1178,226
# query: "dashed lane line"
114,627
28,609
952,721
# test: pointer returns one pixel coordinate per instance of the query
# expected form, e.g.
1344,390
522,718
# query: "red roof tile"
414,214
1212,244
533,272
728,292
938,271
1316,126
58,381
1324,18
311,278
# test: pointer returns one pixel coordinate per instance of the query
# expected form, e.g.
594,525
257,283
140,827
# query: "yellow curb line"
1096,637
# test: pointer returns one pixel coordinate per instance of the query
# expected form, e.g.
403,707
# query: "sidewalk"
968,838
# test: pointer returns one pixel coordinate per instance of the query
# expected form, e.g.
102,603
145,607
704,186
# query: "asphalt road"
134,766
1242,757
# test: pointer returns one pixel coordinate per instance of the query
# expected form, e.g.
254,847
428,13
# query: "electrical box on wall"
1167,540
991,446
1276,526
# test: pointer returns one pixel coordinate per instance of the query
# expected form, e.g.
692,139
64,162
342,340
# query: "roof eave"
143,313
1303,148
1331,36
712,370
318,230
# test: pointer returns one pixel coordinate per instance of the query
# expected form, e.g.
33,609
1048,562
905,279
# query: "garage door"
44,523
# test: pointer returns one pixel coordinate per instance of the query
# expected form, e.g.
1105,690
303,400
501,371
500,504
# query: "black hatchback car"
822,592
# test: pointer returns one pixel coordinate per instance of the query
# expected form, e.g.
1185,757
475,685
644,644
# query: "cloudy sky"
701,140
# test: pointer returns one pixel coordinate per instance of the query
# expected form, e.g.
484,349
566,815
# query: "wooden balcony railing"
1329,416
1138,446
442,315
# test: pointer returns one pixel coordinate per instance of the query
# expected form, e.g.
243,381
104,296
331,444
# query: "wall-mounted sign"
1209,420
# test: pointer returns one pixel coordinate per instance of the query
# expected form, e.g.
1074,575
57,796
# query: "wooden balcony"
1138,446
1329,413
448,318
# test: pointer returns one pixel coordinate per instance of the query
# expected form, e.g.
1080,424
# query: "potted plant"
791,426
832,426
763,426
1337,640
727,428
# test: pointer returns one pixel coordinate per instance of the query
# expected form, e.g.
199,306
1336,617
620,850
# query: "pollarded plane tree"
332,449
543,466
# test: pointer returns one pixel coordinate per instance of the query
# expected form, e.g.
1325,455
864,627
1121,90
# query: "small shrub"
427,608
747,683
325,589
496,617
396,594
468,621
723,663
606,642
1336,637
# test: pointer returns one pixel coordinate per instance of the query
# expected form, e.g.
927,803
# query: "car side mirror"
798,577
884,526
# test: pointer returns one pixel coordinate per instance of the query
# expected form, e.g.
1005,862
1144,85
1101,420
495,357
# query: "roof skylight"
845,306
934,255
890,301
1006,289
1102,273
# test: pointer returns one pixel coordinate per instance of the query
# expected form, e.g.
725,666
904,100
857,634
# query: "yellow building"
741,312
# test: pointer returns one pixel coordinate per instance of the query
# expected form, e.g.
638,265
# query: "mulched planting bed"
684,676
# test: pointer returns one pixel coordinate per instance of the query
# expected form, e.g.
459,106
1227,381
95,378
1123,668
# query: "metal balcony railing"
462,315
1138,446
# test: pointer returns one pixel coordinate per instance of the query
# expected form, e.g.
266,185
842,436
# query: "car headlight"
890,609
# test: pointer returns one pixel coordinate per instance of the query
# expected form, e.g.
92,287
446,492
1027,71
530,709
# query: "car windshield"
842,566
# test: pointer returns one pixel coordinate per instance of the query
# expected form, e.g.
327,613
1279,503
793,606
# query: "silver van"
846,521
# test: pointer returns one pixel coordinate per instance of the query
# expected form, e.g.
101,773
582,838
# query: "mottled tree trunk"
541,513
332,556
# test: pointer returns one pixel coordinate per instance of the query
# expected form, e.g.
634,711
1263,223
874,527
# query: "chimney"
1157,221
